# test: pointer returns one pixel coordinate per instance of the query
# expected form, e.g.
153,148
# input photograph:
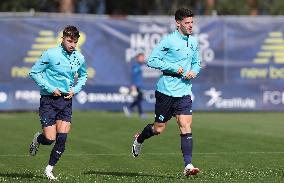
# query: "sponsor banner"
4,104
111,98
229,97
96,97
242,56
254,54
20,97
272,98
236,97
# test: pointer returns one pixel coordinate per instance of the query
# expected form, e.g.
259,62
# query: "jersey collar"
181,35
64,50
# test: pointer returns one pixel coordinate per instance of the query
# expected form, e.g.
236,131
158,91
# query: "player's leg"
162,115
63,129
139,100
139,104
149,131
184,119
63,126
47,119
47,137
184,122
129,109
133,104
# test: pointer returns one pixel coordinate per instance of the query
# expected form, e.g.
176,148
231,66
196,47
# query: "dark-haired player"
54,73
177,56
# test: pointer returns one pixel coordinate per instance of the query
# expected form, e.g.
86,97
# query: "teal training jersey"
57,69
175,50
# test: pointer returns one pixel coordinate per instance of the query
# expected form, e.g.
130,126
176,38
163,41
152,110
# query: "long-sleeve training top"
175,50
57,69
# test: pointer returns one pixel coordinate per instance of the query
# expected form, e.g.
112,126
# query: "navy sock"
146,133
43,140
186,147
58,148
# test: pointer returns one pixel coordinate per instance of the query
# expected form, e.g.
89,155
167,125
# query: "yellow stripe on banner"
261,60
34,53
30,59
46,33
42,46
45,39
273,47
275,34
279,60
274,41
278,54
264,54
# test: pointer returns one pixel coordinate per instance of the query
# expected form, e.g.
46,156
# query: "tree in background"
17,5
275,7
147,7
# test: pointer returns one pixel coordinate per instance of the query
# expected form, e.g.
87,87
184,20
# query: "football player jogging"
55,72
177,56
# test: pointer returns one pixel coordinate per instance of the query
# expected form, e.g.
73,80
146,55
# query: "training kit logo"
216,100
268,60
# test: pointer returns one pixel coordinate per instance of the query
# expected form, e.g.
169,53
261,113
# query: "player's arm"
82,78
37,71
196,63
156,59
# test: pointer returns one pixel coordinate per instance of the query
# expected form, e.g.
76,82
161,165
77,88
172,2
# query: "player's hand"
133,91
190,75
57,93
69,95
180,70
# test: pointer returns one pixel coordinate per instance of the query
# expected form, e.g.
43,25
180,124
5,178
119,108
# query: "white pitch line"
145,154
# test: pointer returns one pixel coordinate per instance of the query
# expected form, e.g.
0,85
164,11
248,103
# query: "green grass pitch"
228,147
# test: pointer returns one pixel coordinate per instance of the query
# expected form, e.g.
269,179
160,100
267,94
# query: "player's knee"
158,131
185,129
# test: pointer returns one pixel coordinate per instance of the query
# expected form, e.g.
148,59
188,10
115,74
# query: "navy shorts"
54,108
166,106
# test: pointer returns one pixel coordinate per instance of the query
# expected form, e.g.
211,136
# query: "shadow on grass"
129,174
20,175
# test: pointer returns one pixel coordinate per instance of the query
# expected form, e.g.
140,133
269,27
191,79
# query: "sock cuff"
49,167
61,135
186,135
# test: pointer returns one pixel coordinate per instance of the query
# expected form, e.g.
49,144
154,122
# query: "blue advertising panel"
242,60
